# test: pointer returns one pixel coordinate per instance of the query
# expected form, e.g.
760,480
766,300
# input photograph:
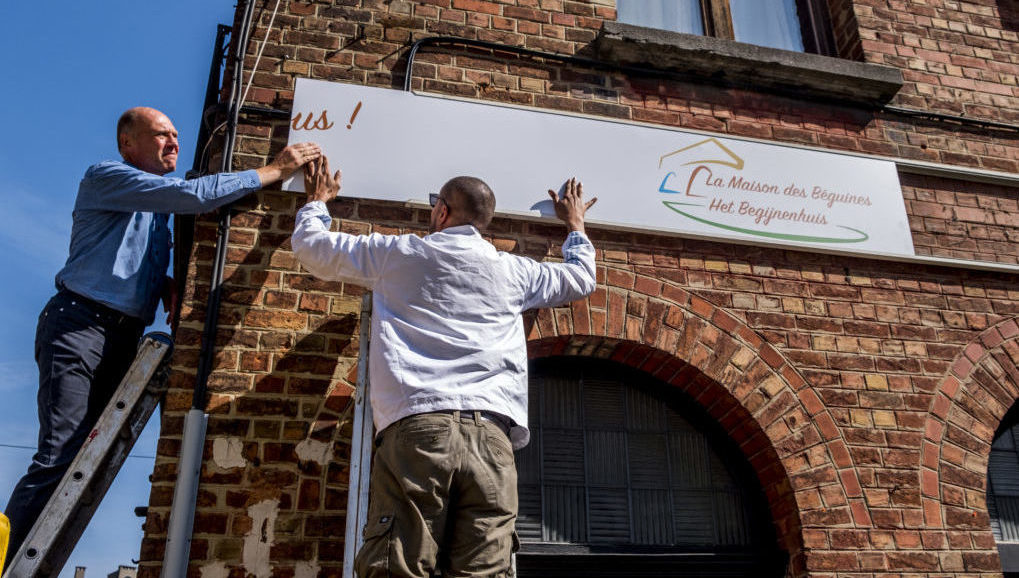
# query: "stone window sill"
746,66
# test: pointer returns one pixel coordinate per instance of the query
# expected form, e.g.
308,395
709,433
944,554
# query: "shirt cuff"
249,179
577,246
576,238
315,209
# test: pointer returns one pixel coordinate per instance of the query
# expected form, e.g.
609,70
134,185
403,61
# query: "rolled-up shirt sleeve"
552,284
333,256
116,186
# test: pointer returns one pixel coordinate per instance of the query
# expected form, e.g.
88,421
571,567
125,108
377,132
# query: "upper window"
799,25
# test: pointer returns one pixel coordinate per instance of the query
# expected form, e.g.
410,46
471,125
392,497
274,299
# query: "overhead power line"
33,448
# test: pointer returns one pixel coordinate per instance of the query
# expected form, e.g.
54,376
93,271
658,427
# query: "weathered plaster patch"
306,569
228,453
215,570
311,450
257,542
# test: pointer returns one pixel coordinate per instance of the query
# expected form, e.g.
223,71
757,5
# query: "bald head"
129,120
470,201
148,140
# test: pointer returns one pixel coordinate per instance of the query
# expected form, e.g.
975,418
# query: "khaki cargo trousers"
443,500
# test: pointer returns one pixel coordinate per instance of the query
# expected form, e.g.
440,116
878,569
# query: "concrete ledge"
751,67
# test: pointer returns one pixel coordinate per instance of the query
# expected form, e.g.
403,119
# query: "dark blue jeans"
83,350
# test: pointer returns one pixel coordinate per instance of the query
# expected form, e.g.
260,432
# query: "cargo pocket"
426,436
499,445
372,561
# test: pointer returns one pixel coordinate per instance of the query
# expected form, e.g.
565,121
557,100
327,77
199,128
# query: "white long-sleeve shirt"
446,331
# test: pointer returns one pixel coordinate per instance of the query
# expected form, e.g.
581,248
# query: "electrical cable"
258,57
212,136
33,448
251,78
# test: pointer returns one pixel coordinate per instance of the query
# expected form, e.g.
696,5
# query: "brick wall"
864,393
958,57
956,219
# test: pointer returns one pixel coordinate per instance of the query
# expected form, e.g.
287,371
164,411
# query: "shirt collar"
461,230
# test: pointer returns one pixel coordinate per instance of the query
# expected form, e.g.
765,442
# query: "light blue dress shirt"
446,330
120,239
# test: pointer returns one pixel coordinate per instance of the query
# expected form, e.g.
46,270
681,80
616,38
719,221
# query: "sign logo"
716,188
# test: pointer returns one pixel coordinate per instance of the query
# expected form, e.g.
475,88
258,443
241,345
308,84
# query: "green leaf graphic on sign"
784,236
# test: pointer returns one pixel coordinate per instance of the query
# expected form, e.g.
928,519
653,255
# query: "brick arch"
982,384
783,428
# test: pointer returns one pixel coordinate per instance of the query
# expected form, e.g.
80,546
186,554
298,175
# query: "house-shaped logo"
710,183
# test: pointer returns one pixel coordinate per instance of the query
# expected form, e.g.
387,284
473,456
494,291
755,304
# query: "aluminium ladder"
77,496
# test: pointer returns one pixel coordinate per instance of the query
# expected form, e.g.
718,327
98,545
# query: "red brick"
849,540
771,356
851,483
832,561
1009,329
811,402
701,307
827,426
950,387
619,278
647,286
981,561
840,455
934,430
932,513
861,515
308,496
912,561
929,482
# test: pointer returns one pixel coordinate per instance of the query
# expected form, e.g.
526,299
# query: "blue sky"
70,69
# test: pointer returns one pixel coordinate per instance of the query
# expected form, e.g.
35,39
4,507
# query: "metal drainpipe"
185,494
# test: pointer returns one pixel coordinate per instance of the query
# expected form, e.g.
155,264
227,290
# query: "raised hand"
571,207
288,161
319,183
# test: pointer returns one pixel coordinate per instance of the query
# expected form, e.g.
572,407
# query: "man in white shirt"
448,368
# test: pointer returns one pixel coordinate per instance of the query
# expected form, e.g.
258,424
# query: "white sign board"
398,146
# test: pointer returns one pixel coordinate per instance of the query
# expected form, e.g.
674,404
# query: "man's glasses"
433,199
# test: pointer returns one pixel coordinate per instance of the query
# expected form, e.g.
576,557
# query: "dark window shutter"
1003,486
1003,490
620,464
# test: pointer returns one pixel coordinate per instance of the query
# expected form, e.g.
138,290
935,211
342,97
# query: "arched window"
1003,491
626,476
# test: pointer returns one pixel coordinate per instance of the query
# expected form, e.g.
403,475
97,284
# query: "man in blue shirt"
110,287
